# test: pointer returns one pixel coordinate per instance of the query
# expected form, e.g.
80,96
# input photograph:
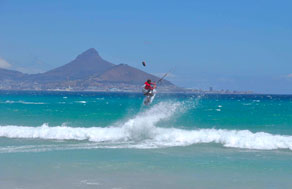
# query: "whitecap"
81,102
21,102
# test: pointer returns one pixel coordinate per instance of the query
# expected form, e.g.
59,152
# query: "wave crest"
142,132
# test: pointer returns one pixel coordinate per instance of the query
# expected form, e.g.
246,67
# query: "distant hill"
86,64
10,74
87,72
124,73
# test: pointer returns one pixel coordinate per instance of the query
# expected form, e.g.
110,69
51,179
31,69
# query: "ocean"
111,140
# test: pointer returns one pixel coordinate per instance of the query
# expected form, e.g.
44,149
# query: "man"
148,88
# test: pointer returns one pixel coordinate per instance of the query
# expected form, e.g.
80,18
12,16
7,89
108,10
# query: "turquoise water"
110,140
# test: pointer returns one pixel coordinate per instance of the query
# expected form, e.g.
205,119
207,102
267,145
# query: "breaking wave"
142,132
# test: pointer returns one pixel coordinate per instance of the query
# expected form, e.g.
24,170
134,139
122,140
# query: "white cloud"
4,63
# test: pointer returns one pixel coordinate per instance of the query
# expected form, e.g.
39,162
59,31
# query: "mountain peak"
85,65
89,53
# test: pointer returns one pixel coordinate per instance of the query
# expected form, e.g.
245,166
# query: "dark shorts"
149,93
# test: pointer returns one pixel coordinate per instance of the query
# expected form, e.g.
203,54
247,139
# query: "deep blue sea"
111,140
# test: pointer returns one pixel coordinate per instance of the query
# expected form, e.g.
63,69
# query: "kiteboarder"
148,88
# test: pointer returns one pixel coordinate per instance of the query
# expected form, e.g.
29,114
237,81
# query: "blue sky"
237,45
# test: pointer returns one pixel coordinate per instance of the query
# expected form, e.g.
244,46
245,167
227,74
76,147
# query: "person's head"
149,81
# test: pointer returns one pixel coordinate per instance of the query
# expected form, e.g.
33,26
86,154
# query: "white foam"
21,102
96,134
229,138
142,132
81,102
87,182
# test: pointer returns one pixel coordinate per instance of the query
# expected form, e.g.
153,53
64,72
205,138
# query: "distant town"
222,91
112,88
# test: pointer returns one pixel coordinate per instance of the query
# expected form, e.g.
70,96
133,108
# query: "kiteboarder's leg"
151,93
148,93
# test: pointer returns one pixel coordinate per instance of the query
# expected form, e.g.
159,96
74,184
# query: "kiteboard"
149,97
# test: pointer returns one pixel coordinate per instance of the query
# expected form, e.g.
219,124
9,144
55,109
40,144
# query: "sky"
237,45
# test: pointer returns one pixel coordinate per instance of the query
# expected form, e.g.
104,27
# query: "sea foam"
20,102
142,131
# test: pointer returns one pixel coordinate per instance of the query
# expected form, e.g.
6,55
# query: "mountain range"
87,72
